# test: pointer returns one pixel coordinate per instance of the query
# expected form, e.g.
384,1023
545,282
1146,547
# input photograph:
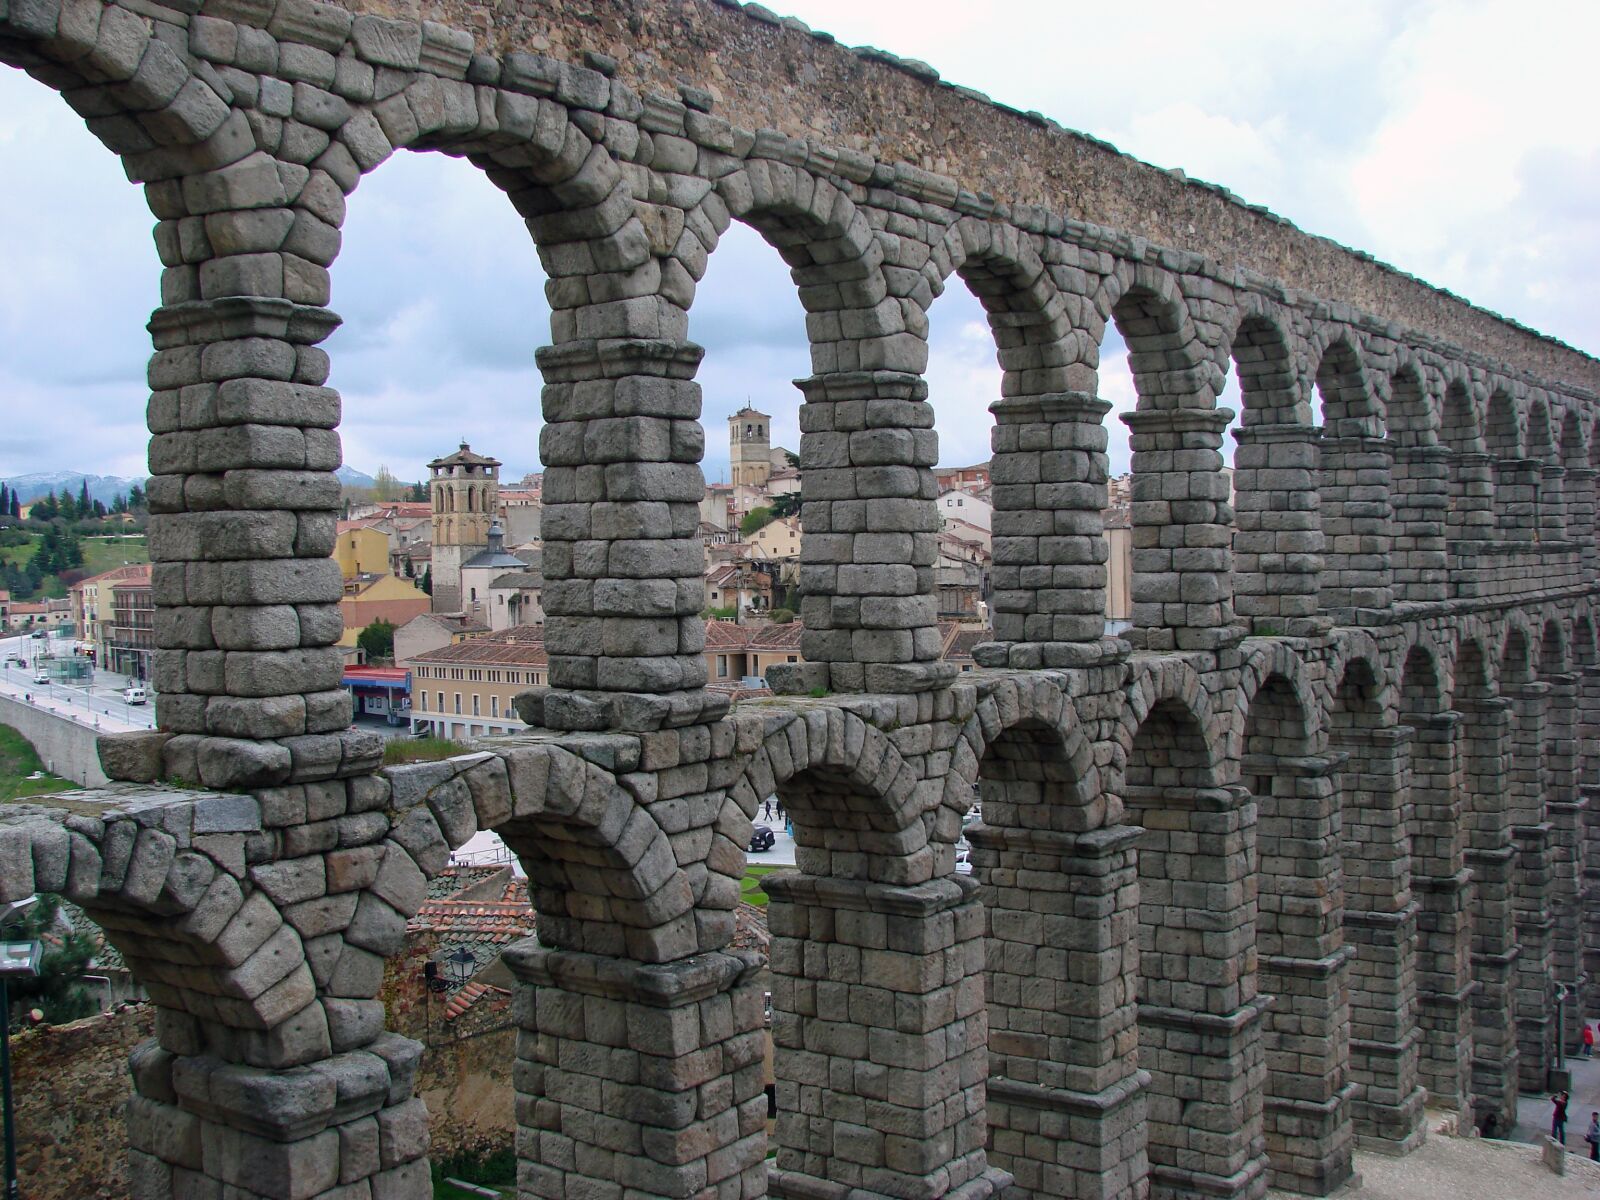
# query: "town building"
749,448
92,614
465,690
464,490
431,631
479,575
131,647
379,691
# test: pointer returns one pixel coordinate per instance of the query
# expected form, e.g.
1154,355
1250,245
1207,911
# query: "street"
98,704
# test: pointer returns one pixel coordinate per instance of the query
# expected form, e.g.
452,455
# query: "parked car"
762,838
40,675
134,694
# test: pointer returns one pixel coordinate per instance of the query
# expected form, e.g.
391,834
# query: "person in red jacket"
1588,1040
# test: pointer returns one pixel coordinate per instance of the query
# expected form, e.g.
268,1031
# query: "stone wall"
65,747
71,1083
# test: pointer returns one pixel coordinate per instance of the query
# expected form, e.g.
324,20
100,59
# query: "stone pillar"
879,1039
1444,921
1535,923
1182,530
1421,502
243,502
623,569
1356,542
1589,833
1066,1097
1565,807
1305,970
1277,548
1380,925
638,1078
1516,500
1049,574
867,448
1471,523
1580,488
1552,505
1200,1018
1485,738
347,1125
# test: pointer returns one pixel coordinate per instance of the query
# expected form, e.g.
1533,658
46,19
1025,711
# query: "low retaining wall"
65,748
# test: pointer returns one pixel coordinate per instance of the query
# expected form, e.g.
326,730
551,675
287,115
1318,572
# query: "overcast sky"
1455,140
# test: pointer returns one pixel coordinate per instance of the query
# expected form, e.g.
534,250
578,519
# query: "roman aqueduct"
1307,846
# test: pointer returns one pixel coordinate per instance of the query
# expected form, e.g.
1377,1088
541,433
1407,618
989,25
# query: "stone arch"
139,97
1585,649
1272,388
1516,657
1459,423
1173,686
1024,738
1034,334
1541,432
1574,450
1412,420
1553,657
1350,405
1267,658
1167,357
1502,425
858,813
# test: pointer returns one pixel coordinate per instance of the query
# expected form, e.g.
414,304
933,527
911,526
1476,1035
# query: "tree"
57,989
67,507
419,493
427,580
410,568
786,504
385,487
120,504
136,496
44,508
84,503
755,521
16,506
5,500
794,459
377,640
781,616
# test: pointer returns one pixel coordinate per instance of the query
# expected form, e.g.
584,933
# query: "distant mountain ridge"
104,488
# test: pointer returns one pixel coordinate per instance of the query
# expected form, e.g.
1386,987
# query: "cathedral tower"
465,493
749,448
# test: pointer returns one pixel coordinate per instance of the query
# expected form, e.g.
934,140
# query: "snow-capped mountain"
104,488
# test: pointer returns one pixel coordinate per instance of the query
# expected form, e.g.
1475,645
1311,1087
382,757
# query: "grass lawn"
424,749
750,886
17,761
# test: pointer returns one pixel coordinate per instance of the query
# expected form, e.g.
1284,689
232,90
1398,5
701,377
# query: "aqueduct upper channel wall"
1309,844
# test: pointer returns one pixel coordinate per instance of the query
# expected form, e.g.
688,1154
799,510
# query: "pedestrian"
1588,1040
1593,1136
1558,1117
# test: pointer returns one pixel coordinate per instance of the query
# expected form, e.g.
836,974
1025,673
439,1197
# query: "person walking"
1593,1136
1558,1117
1588,1040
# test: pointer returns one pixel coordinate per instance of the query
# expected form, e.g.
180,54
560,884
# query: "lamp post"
18,960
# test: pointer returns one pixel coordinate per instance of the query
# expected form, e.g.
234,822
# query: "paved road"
97,703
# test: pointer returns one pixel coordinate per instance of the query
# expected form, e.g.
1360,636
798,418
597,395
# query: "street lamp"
18,960
462,964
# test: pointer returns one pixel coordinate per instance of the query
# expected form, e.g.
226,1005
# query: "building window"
439,703
475,711
792,658
423,696
494,706
458,704
722,666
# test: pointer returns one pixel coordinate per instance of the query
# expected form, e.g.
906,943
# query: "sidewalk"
1533,1111
97,705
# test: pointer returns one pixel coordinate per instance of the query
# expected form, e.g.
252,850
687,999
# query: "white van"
134,694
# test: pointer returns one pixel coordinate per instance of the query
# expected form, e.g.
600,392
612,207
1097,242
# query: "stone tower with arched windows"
749,448
464,490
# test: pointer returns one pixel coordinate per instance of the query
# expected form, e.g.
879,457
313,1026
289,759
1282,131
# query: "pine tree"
67,507
83,499
16,506
136,496
45,508
5,500
57,990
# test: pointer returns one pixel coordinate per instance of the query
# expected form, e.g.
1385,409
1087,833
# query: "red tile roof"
520,646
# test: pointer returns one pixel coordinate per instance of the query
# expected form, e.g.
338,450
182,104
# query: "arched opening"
1563,811
1420,492
877,973
1279,540
83,273
748,316
1354,477
1524,799
1550,516
1060,968
1379,908
1471,511
1439,879
1300,939
1483,746
1182,517
1578,486
1515,492
1199,1013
